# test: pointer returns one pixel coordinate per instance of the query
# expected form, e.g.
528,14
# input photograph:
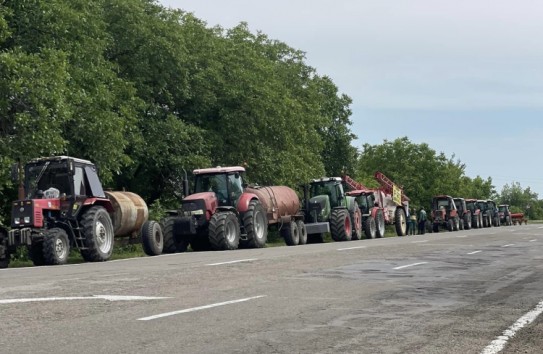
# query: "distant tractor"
464,213
486,212
373,215
327,202
388,198
476,214
493,209
62,205
505,215
445,214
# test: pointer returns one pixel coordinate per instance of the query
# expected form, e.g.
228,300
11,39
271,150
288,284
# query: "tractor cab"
54,187
227,184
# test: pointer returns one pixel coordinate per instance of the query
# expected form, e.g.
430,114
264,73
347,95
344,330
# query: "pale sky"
464,76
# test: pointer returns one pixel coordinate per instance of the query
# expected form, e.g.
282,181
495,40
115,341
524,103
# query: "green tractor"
329,209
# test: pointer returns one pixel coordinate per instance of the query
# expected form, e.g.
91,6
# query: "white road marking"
94,297
422,241
231,262
499,343
350,248
511,244
475,252
540,227
461,236
409,265
192,309
533,240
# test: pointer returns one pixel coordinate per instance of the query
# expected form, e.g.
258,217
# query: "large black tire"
456,223
97,229
224,231
170,244
370,227
436,227
291,234
152,239
255,222
356,219
56,247
35,253
508,221
450,225
380,223
340,225
302,232
400,222
467,222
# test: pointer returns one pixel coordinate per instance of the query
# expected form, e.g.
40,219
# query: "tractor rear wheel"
380,223
456,223
224,231
340,225
152,239
291,234
467,222
508,221
450,225
256,225
97,229
56,246
170,244
370,228
400,221
302,232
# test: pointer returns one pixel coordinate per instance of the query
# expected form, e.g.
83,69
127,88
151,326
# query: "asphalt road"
435,293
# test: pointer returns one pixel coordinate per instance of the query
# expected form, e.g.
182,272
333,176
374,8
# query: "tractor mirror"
15,172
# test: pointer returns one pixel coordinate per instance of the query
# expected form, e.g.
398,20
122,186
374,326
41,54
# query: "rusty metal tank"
130,212
277,201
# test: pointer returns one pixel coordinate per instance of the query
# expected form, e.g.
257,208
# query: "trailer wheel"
380,224
256,225
97,229
340,225
224,231
370,228
56,246
291,234
356,218
35,253
302,232
152,239
400,221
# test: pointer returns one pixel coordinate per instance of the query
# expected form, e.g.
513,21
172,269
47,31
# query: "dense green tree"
521,200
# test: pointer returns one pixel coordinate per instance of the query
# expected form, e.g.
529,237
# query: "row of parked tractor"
455,214
62,206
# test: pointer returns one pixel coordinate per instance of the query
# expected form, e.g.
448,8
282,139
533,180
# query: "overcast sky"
464,76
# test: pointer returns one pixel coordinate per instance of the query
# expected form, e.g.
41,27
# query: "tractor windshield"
227,187
325,188
471,206
482,205
441,203
503,208
47,179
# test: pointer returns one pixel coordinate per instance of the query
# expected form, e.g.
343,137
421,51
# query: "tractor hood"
204,203
319,208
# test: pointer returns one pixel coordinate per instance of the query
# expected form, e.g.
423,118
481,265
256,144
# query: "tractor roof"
470,200
504,205
327,179
442,197
459,198
218,169
60,158
358,192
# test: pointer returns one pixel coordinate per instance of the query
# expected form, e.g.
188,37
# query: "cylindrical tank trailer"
130,212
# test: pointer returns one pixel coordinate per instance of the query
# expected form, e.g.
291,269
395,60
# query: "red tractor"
444,213
464,212
476,214
62,205
388,205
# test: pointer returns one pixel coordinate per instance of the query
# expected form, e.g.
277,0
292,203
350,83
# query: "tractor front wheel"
370,228
224,231
56,246
97,229
170,244
380,223
356,218
400,222
256,225
340,225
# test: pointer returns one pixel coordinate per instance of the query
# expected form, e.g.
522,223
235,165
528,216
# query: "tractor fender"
106,203
374,211
244,200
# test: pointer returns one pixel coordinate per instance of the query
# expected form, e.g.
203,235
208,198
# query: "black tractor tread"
370,228
302,232
91,253
450,225
50,255
380,224
217,231
400,221
249,221
169,243
467,222
356,228
150,231
337,225
291,234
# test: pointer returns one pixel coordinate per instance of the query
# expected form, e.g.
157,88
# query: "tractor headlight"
17,221
27,220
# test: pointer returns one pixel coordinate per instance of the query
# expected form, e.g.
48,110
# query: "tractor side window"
235,187
79,182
